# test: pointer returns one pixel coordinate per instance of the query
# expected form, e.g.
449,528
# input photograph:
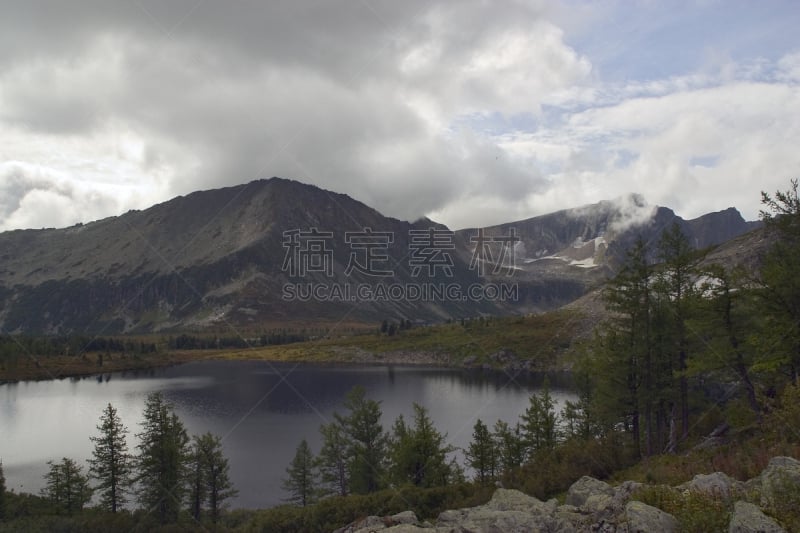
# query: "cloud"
470,112
36,197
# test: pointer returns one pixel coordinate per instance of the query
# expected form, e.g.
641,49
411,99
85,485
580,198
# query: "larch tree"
676,288
332,461
780,292
727,312
539,422
66,486
301,480
2,492
210,482
481,454
419,452
162,459
623,350
510,446
367,441
110,465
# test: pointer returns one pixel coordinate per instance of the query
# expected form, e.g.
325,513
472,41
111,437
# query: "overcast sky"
469,112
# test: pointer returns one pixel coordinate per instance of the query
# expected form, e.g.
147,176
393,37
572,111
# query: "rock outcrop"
592,505
748,518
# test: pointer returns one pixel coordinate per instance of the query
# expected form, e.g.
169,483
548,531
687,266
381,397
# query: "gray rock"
514,500
580,491
365,525
716,484
507,511
406,517
643,518
597,503
748,518
623,491
404,528
780,475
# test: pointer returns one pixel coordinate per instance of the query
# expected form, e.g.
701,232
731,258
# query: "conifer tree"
510,445
67,488
780,292
110,465
210,483
162,459
2,492
332,461
367,451
419,452
481,454
539,422
300,482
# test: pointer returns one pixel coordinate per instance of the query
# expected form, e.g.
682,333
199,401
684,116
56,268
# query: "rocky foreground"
593,505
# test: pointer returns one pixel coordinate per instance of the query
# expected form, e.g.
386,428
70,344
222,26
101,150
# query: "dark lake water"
261,410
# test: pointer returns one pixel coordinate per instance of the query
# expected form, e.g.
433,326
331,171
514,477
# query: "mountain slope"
225,257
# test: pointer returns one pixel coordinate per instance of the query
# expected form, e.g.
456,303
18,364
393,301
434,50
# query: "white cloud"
130,105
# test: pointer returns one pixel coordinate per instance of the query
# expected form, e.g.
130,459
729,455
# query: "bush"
694,511
338,511
551,472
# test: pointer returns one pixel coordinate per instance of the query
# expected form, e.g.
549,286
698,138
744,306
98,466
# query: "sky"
469,112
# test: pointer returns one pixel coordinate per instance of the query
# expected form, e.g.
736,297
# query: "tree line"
169,473
358,456
681,323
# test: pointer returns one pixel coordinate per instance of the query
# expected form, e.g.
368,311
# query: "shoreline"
82,369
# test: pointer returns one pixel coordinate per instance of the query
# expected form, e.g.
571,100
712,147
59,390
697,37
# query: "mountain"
248,257
561,256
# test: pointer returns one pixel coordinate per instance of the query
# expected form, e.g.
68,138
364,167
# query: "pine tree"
162,459
780,292
675,286
111,463
624,350
332,461
210,477
67,488
481,454
301,480
2,492
510,446
419,452
367,442
539,422
197,487
727,313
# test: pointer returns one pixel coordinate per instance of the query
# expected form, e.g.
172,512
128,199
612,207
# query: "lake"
262,410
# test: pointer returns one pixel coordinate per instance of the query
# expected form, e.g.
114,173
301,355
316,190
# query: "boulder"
643,518
782,474
717,484
406,517
514,500
508,510
748,518
622,493
586,487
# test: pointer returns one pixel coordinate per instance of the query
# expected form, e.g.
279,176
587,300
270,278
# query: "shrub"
695,511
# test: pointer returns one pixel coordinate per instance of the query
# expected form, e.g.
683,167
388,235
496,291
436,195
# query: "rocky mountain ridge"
225,257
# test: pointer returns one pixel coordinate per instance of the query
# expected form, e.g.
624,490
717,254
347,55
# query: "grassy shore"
540,342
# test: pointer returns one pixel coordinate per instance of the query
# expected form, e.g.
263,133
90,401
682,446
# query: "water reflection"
261,410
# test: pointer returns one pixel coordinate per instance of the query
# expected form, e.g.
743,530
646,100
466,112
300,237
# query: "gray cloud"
141,101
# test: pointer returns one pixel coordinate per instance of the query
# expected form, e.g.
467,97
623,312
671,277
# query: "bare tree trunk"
672,445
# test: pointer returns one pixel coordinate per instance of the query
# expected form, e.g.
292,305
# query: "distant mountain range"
278,252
